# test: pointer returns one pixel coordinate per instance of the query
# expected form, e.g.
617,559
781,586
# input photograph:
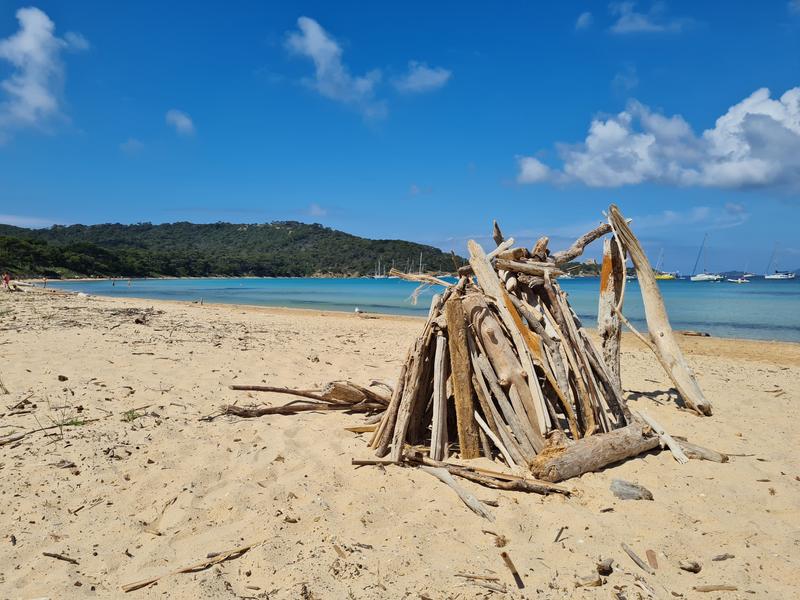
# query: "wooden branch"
559,462
497,235
500,446
439,424
659,329
419,278
212,560
577,248
293,408
468,440
693,451
528,267
471,501
612,276
666,439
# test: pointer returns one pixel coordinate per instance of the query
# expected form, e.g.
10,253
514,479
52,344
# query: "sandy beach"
129,483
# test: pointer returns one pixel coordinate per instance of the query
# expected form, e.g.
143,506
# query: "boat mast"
699,254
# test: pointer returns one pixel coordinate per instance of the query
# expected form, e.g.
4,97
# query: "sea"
761,309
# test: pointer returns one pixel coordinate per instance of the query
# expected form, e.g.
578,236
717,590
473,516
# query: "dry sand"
160,491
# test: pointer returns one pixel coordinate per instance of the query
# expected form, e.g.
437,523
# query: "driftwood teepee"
503,366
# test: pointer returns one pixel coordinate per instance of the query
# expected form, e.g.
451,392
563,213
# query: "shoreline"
770,351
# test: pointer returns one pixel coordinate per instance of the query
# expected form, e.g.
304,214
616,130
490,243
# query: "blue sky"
411,120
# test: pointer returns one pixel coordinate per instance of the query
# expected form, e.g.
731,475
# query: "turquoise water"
768,310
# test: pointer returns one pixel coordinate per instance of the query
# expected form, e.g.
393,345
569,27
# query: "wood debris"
503,369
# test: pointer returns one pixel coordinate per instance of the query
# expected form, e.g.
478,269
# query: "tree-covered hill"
285,248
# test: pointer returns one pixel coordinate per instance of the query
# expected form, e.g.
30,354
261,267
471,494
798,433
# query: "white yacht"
705,275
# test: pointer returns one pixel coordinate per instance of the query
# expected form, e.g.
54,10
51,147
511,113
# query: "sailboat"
658,272
705,275
378,273
777,275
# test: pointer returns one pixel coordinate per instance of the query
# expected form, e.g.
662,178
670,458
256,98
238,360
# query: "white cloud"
584,21
180,121
653,21
332,78
25,221
76,41
756,143
532,170
131,146
794,6
421,78
32,91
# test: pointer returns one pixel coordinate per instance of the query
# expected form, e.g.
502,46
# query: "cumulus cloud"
182,122
332,78
756,143
421,78
584,21
629,20
532,170
31,93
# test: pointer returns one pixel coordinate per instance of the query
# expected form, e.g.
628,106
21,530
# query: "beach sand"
153,493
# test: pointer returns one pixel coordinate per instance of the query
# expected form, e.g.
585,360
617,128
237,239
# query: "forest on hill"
278,249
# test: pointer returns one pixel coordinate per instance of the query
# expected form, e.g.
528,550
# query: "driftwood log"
562,460
662,340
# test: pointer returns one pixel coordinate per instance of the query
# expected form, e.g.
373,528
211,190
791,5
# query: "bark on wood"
468,440
559,462
659,329
609,328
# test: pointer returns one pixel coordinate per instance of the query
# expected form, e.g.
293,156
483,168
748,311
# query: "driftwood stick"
419,278
493,418
296,407
577,248
500,481
612,276
528,267
635,558
666,439
659,329
439,424
284,390
3,389
693,451
458,351
503,450
471,501
497,235
383,432
199,566
559,462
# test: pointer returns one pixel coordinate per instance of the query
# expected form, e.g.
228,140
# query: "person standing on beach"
6,280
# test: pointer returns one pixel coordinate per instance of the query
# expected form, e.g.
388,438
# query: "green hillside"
285,248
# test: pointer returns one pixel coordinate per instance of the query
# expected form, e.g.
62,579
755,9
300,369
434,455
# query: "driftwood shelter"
504,369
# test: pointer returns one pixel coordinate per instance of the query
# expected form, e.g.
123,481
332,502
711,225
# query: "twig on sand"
210,561
61,557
